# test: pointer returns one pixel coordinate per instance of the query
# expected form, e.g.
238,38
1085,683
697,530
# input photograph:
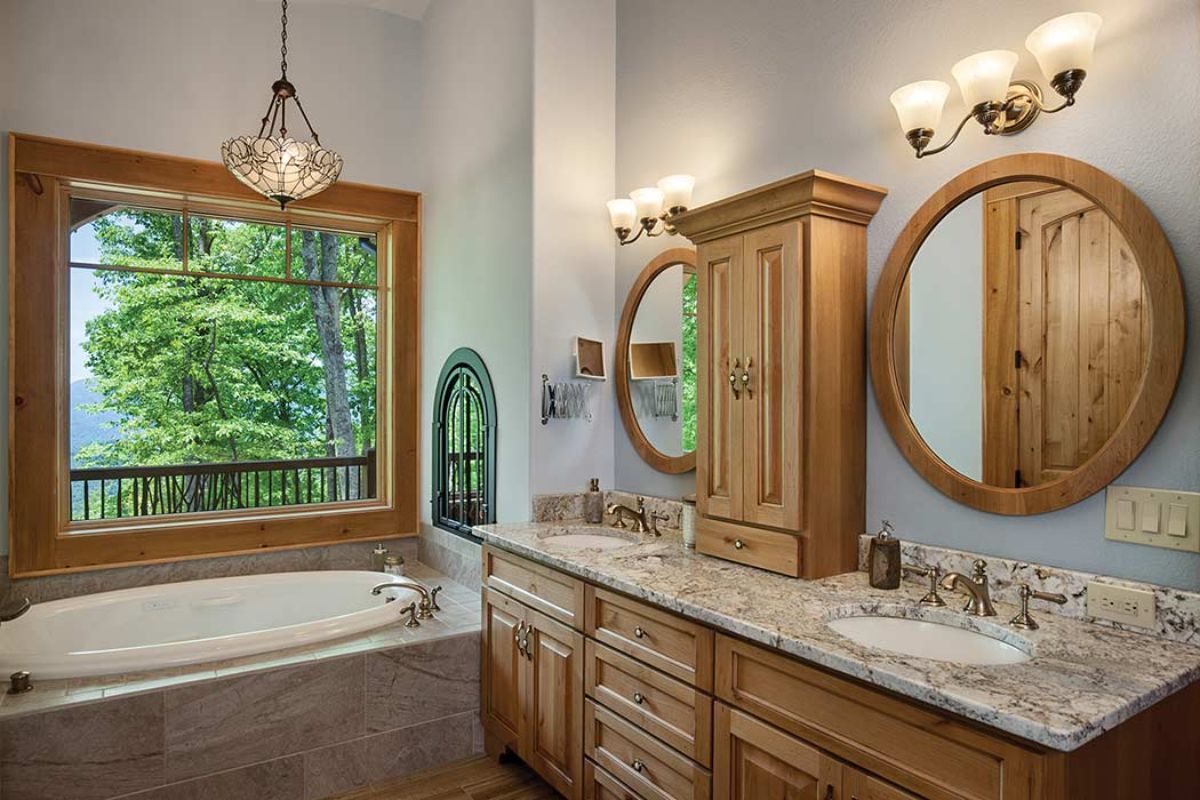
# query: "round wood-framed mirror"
655,362
1029,382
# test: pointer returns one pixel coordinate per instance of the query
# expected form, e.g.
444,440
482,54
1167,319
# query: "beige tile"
420,682
86,752
255,717
341,768
281,779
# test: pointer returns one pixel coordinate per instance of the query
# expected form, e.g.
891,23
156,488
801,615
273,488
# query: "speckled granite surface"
1082,679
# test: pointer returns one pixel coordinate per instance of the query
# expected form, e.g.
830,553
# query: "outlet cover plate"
1132,503
1121,604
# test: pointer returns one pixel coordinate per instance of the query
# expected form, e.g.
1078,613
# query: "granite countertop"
1082,680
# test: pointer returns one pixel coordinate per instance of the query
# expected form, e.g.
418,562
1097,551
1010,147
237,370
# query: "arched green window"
464,444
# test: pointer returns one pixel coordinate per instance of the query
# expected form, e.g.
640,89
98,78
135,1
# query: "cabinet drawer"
925,751
556,595
670,710
599,785
649,767
755,547
676,646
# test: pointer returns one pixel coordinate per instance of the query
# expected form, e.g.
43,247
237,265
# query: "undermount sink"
925,639
589,539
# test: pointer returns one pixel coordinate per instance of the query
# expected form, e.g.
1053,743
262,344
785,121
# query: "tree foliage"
202,369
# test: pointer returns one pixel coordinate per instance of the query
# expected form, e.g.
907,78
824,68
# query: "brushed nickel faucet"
979,599
643,521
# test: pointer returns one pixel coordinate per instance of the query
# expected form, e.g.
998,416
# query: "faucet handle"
433,603
411,610
934,573
980,573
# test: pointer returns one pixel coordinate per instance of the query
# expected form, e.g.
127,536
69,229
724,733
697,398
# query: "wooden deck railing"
117,492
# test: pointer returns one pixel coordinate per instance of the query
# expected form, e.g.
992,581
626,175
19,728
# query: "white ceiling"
413,9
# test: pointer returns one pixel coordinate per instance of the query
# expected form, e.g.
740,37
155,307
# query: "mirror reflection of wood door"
1065,332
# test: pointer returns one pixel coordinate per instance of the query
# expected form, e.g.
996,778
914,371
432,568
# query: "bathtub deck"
474,779
460,614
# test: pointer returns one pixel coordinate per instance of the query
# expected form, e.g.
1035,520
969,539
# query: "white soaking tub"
174,624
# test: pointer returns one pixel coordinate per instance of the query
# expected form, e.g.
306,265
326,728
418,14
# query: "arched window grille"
464,444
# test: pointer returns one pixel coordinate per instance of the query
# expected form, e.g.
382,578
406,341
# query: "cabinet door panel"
502,667
552,738
858,785
719,408
772,397
752,761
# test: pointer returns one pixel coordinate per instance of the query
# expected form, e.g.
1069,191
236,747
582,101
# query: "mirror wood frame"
1164,293
673,465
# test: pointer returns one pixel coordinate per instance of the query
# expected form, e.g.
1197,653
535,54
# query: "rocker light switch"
1177,514
1150,516
1157,517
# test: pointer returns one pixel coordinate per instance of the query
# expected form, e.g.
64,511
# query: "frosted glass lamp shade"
919,105
677,191
281,168
1064,43
984,77
623,213
649,202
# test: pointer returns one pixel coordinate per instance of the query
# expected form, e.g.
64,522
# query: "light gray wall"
477,286
946,339
740,94
574,160
179,77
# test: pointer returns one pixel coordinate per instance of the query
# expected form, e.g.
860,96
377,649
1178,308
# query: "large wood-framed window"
183,257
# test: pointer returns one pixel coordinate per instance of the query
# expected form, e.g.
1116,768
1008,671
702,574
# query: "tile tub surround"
563,507
347,555
1083,679
306,723
451,554
1177,611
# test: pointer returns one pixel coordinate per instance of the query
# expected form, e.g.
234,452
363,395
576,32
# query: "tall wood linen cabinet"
781,371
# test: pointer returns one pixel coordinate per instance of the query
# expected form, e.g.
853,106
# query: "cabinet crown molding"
813,192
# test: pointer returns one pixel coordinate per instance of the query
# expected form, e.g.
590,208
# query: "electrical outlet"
1119,604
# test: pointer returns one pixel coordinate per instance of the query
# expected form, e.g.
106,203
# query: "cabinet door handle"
639,632
519,638
738,544
747,377
733,379
529,650
637,765
639,698
829,792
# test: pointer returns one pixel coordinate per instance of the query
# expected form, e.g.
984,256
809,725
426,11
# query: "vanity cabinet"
532,683
781,388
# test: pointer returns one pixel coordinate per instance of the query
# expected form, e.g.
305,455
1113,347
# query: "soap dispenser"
593,504
883,559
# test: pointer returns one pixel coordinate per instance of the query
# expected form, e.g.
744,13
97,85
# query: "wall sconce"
1063,49
651,209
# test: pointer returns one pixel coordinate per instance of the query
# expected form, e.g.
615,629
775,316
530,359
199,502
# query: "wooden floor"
474,779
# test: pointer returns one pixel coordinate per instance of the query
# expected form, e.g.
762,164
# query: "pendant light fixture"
276,165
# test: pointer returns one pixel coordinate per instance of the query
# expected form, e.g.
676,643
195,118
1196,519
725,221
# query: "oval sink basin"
932,640
588,541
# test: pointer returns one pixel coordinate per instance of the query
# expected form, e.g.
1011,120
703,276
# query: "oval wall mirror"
656,362
1027,334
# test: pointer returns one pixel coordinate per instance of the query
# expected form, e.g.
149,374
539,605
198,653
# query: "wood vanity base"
673,710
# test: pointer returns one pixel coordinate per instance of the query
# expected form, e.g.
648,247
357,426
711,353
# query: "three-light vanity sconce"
651,208
1063,49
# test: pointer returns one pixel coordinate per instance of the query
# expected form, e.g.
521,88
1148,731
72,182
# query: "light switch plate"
1159,514
1119,604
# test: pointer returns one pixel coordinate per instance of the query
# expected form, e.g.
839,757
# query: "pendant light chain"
283,41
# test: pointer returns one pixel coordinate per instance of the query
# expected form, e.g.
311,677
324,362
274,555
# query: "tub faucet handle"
411,610
433,603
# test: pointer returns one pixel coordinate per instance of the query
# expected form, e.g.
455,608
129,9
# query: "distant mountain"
88,426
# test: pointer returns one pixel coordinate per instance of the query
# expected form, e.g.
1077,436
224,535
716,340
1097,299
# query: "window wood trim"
39,170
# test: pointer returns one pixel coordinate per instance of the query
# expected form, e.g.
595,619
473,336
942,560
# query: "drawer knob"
738,544
639,698
639,632
637,765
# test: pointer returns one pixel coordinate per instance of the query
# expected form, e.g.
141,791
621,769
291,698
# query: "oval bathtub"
175,624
